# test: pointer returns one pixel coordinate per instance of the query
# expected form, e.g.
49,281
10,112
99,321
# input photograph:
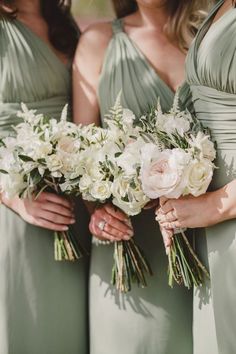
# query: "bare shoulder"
95,39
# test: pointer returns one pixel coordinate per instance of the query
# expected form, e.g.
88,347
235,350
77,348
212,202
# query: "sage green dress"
157,319
42,302
211,72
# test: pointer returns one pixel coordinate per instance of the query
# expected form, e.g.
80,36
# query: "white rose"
198,177
206,147
162,172
101,190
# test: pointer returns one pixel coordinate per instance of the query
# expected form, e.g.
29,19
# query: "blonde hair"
184,21
185,18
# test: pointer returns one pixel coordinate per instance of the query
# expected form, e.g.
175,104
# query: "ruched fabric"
156,319
43,303
211,73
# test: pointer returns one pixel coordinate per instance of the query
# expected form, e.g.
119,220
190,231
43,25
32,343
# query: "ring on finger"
101,225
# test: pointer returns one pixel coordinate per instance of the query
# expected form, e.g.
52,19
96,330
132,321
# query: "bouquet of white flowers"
135,160
40,156
176,161
106,175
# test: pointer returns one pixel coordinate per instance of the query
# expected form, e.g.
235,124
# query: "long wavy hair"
63,31
184,20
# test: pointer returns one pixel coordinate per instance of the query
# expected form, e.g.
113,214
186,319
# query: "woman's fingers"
102,234
112,230
116,224
169,217
173,225
167,207
57,209
104,225
116,213
54,198
163,200
50,225
54,218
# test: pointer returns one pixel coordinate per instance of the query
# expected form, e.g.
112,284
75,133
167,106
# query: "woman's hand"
49,211
107,223
193,212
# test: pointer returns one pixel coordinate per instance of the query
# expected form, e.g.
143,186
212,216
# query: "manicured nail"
72,221
65,228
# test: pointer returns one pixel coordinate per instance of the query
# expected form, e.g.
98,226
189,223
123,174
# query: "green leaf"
25,158
35,176
117,154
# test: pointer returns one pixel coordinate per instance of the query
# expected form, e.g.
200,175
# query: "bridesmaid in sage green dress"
42,302
211,72
157,319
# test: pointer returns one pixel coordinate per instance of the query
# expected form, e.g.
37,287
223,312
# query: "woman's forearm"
225,201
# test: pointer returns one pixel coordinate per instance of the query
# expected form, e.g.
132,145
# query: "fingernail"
72,221
127,238
130,233
65,228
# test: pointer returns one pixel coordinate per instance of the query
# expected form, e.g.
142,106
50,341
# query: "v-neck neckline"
148,63
209,24
44,44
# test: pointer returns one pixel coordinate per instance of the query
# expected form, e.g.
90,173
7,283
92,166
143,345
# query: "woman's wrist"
223,201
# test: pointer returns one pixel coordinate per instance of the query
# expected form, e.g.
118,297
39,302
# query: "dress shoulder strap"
117,26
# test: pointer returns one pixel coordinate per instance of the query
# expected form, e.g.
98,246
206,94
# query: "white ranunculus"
130,200
162,172
101,190
198,177
203,143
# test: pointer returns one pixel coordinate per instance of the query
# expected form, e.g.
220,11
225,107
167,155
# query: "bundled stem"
67,247
130,266
184,265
